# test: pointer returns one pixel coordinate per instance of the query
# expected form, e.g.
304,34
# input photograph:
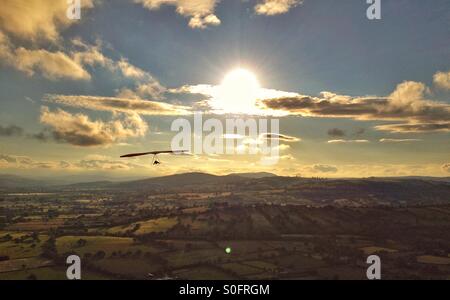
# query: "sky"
354,97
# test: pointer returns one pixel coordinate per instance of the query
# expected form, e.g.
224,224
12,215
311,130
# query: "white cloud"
23,162
130,71
104,164
216,95
150,88
200,12
280,137
409,95
145,83
90,55
90,163
123,105
442,80
399,140
202,22
80,130
348,142
71,64
52,65
275,7
36,19
31,23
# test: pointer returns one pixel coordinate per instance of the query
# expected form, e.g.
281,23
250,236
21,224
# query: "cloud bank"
113,104
407,103
35,22
37,19
201,13
88,164
80,130
11,131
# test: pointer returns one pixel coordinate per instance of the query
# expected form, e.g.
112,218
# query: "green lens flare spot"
228,250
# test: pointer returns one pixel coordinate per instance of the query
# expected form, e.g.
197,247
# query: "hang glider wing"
178,152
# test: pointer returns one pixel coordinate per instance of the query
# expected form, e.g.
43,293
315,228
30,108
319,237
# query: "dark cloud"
407,104
41,136
80,139
336,132
360,131
325,169
11,131
281,137
309,106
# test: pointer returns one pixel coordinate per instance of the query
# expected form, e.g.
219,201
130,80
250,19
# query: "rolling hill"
13,181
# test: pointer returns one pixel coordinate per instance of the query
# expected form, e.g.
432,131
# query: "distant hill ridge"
185,179
181,180
12,181
8,181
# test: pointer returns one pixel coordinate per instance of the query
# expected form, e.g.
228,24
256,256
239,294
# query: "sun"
238,92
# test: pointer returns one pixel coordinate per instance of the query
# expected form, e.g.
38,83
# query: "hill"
13,181
179,180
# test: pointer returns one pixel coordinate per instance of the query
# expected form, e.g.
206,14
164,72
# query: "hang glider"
155,154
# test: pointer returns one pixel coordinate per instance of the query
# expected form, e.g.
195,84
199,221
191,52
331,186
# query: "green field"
145,227
109,245
49,273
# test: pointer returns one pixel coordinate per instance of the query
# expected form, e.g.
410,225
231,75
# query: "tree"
81,243
100,255
49,248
